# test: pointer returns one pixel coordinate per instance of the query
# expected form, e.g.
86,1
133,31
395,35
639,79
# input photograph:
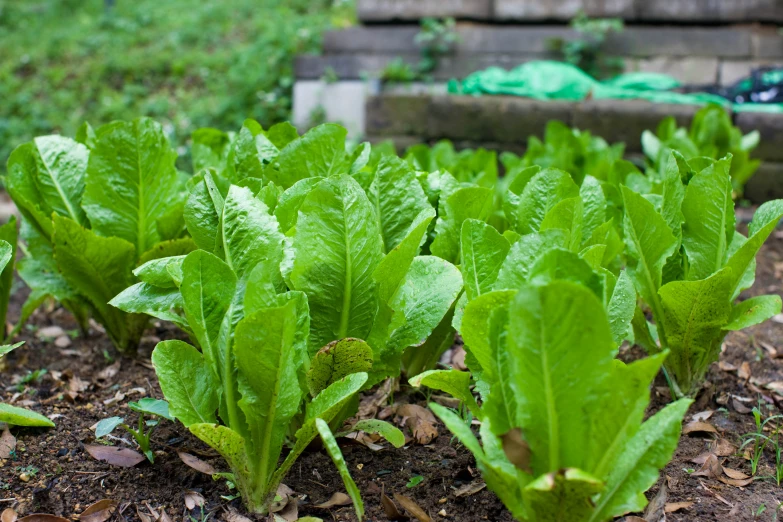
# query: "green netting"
549,80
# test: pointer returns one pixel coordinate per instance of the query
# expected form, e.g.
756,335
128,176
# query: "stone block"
373,39
414,10
770,126
766,183
510,39
394,115
342,102
473,39
535,40
767,43
529,10
361,66
500,119
710,10
696,70
625,120
680,41
687,11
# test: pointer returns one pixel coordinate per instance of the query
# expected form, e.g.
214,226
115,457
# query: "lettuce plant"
561,231
326,223
14,415
92,214
711,135
562,431
689,265
577,152
8,246
315,291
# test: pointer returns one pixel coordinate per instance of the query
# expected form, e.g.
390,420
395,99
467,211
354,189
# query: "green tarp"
549,80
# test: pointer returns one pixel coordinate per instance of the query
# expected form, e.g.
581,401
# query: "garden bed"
77,391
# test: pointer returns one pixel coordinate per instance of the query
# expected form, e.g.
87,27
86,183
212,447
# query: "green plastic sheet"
550,80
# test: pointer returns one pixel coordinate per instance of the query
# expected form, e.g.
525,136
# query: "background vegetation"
187,64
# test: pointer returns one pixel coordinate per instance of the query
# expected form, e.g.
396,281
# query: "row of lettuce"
305,271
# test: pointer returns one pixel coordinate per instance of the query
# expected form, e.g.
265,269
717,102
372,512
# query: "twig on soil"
703,485
7,499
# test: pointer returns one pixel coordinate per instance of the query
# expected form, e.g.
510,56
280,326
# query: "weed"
586,52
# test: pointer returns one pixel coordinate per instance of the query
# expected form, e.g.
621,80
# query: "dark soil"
64,479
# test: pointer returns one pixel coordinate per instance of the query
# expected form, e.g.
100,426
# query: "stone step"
636,41
511,119
505,123
698,70
679,11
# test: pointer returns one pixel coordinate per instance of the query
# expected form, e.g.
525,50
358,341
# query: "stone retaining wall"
640,11
695,55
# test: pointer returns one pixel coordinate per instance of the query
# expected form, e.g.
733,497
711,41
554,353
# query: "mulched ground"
62,479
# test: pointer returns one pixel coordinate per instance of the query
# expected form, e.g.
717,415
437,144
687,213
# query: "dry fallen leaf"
337,499
633,518
702,415
735,474
143,516
726,367
673,507
723,448
698,427
412,507
164,517
420,421
76,384
193,499
655,509
234,516
118,397
517,449
8,515
107,374
370,404
124,457
776,386
287,507
196,463
739,407
470,489
7,445
101,511
711,468
744,371
41,517
736,482
49,332
390,508
365,440
458,359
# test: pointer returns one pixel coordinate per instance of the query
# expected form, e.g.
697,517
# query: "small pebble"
442,501
442,512
63,452
24,477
